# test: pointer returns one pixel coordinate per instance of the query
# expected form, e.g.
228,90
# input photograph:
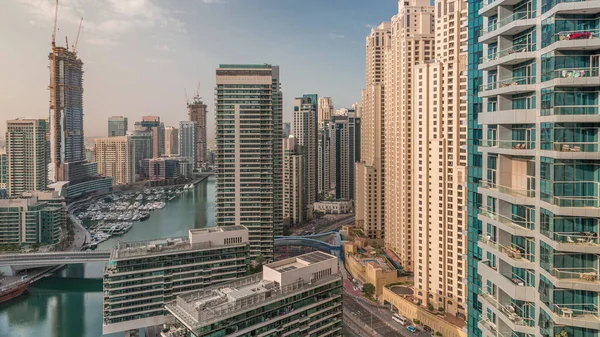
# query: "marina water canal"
70,304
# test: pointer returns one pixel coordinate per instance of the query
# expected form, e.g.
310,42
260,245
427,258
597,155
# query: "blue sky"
139,55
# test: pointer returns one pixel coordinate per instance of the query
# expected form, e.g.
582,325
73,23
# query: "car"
412,329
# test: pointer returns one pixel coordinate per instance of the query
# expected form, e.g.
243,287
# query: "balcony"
579,314
572,113
510,314
509,86
490,7
519,227
510,116
575,40
513,285
511,25
509,56
576,201
509,147
573,77
574,278
575,242
511,194
514,256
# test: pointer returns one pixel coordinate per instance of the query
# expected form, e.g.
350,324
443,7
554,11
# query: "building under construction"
66,110
197,113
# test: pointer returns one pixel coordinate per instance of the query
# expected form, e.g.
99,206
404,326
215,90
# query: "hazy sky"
139,55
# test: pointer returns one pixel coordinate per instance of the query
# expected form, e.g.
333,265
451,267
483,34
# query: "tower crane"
55,20
77,38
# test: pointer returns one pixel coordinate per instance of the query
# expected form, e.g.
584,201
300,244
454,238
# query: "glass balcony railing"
575,147
580,274
519,48
569,110
514,221
572,73
515,252
582,34
515,81
517,192
575,238
509,19
548,5
578,311
514,313
509,144
575,201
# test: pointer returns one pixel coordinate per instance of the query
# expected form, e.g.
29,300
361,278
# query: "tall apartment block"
537,156
141,277
66,111
142,141
115,157
354,139
344,136
27,158
117,126
31,221
439,119
300,296
294,202
326,160
325,109
197,112
411,42
188,140
249,152
305,133
370,177
3,174
171,141
287,130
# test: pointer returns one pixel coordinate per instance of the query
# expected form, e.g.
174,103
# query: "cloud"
157,60
336,36
163,47
106,21
368,25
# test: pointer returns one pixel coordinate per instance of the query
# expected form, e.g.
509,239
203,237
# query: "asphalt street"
352,307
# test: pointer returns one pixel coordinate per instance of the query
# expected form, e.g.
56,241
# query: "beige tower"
115,157
370,171
325,109
294,203
439,164
412,42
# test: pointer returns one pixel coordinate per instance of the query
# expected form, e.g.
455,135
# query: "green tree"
368,289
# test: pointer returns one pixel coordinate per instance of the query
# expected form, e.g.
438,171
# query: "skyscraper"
3,174
305,133
117,126
66,111
197,112
153,125
341,141
370,177
354,138
27,157
249,152
188,140
325,109
171,141
142,141
439,164
294,202
411,42
115,157
325,161
287,129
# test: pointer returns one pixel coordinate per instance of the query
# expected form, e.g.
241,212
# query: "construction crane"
55,20
77,38
187,100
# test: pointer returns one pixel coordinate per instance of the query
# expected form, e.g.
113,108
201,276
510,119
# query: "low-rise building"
369,267
300,296
37,219
142,276
334,206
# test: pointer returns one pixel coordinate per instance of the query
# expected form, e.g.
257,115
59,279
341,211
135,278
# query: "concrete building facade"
249,152
142,276
294,202
300,296
117,126
411,42
325,109
27,157
439,164
197,112
305,133
370,177
115,157
171,141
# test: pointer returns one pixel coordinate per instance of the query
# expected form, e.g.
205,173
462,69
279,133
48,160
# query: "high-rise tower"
411,42
117,126
369,180
294,204
325,109
197,112
305,133
188,139
27,157
249,152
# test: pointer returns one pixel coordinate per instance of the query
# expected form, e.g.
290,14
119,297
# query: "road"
336,225
366,317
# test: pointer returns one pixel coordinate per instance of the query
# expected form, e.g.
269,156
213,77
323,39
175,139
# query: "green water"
70,304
